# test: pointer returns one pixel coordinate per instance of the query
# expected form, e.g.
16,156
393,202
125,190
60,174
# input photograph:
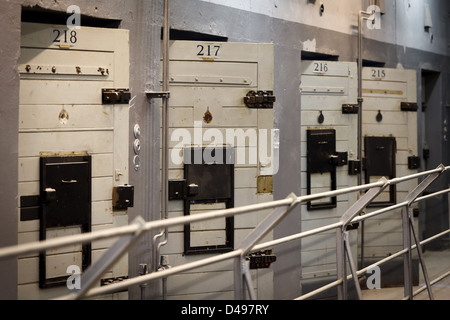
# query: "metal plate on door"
66,195
209,179
380,161
380,156
206,181
321,147
66,191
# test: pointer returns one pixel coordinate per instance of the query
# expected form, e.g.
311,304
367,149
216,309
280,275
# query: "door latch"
49,195
354,167
413,163
350,109
409,106
180,190
116,96
339,159
262,259
123,197
260,100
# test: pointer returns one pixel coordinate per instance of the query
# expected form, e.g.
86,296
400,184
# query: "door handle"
69,181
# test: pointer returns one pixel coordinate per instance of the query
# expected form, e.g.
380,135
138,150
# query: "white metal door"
326,88
63,73
384,91
208,84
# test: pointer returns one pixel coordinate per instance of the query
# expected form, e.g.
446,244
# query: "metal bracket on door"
261,260
260,100
157,94
350,109
409,106
116,96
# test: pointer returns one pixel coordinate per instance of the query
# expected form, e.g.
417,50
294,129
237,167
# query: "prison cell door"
73,149
221,121
390,150
329,157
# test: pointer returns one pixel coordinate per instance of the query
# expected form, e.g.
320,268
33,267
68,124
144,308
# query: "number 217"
208,50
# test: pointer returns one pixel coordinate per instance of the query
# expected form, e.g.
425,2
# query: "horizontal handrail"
157,275
23,249
28,248
131,229
364,270
398,206
234,254
440,278
336,225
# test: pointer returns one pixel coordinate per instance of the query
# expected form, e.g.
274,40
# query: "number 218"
68,37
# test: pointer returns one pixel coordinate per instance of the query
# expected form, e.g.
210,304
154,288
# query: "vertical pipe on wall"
363,15
165,174
360,119
165,139
165,120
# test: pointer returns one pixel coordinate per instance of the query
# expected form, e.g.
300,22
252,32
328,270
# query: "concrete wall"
402,22
291,25
9,121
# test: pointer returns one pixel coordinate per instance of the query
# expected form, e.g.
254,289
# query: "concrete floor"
437,263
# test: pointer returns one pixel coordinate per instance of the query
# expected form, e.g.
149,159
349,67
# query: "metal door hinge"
116,96
262,259
112,281
350,109
353,226
260,100
157,94
408,106
29,208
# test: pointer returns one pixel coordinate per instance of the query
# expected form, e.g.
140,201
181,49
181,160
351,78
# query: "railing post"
419,253
407,258
340,265
90,278
241,270
342,240
239,293
407,225
352,265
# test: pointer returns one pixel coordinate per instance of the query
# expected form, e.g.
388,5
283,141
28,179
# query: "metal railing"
129,235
